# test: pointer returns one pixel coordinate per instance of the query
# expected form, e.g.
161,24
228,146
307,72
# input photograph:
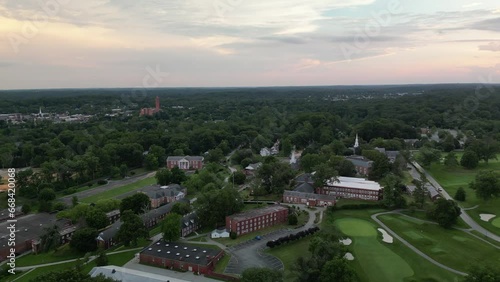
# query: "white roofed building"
352,188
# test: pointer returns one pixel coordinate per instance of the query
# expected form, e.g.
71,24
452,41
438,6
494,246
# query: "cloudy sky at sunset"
116,43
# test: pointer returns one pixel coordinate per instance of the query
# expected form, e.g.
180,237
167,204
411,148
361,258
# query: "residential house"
251,169
220,233
107,238
113,216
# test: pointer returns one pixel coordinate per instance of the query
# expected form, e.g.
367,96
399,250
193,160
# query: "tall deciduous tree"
486,184
138,203
469,159
97,219
213,207
163,176
445,212
171,227
84,240
132,229
50,239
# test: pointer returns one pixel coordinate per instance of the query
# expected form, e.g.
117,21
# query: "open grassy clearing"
62,254
451,247
421,268
289,253
112,193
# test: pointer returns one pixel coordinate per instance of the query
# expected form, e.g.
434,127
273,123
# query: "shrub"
233,235
102,182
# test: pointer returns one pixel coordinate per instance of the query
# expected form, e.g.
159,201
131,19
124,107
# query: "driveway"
468,220
250,253
111,185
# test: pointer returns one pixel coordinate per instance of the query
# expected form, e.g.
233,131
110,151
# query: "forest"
214,121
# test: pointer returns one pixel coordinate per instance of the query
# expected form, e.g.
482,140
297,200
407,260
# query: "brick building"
161,195
309,199
352,188
189,224
151,111
181,256
256,219
185,163
362,165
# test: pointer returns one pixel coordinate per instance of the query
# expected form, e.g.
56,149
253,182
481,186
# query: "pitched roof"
304,187
189,219
157,191
306,177
158,212
110,232
360,161
354,183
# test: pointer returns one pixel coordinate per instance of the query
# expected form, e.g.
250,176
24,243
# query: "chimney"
157,103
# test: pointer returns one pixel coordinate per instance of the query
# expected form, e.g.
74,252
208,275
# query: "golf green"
496,222
376,259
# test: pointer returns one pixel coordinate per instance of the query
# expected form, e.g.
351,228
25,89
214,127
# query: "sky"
224,43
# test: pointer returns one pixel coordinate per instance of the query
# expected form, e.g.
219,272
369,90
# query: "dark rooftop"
304,187
181,252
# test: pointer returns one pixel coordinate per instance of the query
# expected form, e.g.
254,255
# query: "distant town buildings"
274,150
185,163
151,111
253,220
251,169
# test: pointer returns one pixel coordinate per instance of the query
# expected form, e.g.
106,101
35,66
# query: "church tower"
356,142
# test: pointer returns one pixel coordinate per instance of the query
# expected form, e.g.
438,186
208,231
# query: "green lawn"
109,194
63,253
289,253
451,247
221,265
452,179
392,259
26,277
116,259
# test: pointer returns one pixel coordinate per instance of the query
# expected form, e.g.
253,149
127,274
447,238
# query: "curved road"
468,220
374,217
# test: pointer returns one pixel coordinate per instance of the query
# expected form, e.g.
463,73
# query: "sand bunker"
385,236
346,242
486,217
349,256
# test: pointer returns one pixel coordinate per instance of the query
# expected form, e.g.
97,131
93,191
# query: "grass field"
112,193
452,179
451,247
63,253
26,277
381,262
289,253
401,255
221,265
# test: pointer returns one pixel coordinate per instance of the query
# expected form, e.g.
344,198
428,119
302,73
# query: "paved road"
111,184
250,253
468,220
374,217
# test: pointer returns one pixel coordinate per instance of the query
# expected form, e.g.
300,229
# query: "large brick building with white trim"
253,220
